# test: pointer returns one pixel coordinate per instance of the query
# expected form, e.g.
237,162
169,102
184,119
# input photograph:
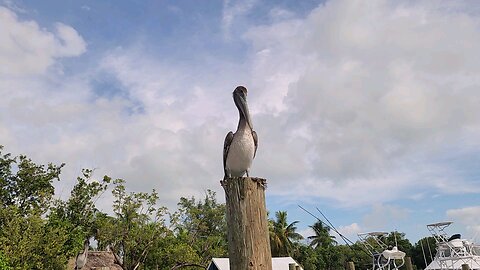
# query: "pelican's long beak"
241,103
246,112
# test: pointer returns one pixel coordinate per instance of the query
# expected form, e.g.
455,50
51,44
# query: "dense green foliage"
27,239
283,235
322,237
28,187
4,265
428,249
38,232
202,225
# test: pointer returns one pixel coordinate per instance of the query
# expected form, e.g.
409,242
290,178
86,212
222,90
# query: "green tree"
172,251
29,242
137,224
4,265
359,256
322,237
80,207
308,257
398,239
25,184
202,225
424,250
282,235
333,257
26,238
78,213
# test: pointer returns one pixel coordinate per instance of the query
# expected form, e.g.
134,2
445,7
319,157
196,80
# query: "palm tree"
322,237
282,235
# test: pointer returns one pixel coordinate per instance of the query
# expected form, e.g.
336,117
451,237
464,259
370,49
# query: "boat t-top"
452,250
383,256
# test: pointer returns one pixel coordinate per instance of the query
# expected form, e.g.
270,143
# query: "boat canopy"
375,233
445,223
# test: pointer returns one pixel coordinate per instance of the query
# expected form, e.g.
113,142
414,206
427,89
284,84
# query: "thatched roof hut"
98,260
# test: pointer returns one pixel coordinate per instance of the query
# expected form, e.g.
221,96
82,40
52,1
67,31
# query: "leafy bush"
4,263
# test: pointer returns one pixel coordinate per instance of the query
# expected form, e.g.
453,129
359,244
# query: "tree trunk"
248,237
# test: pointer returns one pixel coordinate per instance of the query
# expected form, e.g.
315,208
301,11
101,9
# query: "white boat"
452,251
383,256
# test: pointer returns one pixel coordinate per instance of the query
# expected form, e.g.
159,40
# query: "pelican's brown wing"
226,148
255,140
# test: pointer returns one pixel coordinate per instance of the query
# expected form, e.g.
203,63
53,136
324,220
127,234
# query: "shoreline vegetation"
38,231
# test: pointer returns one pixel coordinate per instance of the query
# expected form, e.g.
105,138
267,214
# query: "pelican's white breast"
241,152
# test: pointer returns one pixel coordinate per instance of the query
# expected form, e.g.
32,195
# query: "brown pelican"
81,259
240,147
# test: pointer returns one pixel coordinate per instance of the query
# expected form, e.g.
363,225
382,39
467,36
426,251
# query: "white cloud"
163,131
277,14
306,233
469,217
13,6
174,143
232,9
26,49
381,93
359,104
384,217
70,42
38,106
349,231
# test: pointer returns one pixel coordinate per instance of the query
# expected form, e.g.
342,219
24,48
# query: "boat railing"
452,251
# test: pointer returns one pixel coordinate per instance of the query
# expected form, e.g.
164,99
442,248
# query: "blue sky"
367,111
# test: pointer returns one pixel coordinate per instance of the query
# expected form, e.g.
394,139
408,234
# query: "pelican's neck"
85,248
242,123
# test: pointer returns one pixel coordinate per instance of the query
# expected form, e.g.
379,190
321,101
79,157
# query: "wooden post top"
227,181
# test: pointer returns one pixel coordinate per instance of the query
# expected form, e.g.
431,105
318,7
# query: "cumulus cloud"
175,140
356,103
350,231
13,6
469,217
277,14
384,217
232,9
307,232
26,48
30,116
69,42
370,96
129,116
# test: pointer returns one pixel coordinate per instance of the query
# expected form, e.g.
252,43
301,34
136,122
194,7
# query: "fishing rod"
345,239
341,235
321,221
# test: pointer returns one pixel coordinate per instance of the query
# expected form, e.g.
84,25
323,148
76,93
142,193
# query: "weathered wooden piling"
248,238
465,266
350,266
408,263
